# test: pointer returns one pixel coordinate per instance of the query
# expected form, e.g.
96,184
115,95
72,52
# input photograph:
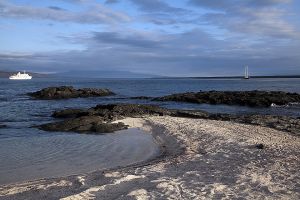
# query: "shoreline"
168,148
138,147
185,142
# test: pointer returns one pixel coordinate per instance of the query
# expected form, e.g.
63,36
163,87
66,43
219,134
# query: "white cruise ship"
20,76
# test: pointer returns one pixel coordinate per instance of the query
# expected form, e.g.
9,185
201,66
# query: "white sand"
34,185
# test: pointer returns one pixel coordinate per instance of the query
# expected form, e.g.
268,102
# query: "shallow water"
61,154
28,153
13,99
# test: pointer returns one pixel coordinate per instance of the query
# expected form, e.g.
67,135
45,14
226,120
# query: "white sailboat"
20,76
246,73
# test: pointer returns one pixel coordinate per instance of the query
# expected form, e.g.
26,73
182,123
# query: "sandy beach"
201,159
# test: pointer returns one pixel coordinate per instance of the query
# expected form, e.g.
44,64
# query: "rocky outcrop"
118,111
66,92
85,124
69,113
99,118
112,112
283,123
243,98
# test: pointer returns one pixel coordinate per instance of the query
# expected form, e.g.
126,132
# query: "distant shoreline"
6,74
227,77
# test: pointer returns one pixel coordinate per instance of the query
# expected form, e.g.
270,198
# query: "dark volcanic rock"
66,92
243,98
118,111
109,127
92,124
282,123
111,112
79,124
97,119
69,113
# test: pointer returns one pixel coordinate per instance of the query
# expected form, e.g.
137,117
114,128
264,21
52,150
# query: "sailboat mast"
246,72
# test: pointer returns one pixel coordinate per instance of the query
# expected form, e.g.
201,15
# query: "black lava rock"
66,92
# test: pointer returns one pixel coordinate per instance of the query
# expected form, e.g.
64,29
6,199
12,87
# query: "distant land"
127,74
104,74
230,77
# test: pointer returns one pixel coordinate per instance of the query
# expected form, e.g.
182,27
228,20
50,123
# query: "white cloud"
97,14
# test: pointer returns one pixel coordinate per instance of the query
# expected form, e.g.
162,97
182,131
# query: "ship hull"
18,78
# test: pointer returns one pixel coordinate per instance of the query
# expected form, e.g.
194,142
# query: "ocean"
27,153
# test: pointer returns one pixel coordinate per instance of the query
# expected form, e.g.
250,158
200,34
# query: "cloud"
56,8
253,17
263,22
77,1
132,40
190,53
267,2
179,54
156,6
97,14
152,43
233,4
111,1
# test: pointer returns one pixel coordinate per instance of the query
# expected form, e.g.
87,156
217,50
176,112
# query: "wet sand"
200,159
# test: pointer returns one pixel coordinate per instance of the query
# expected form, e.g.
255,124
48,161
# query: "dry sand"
202,159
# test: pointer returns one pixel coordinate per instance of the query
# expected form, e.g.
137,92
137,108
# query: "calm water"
28,153
52,155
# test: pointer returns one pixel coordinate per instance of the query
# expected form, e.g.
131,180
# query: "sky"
160,37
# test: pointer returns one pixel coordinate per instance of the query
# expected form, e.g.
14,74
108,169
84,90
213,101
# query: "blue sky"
163,37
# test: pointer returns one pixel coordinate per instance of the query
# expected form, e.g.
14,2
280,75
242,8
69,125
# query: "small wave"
3,99
289,105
